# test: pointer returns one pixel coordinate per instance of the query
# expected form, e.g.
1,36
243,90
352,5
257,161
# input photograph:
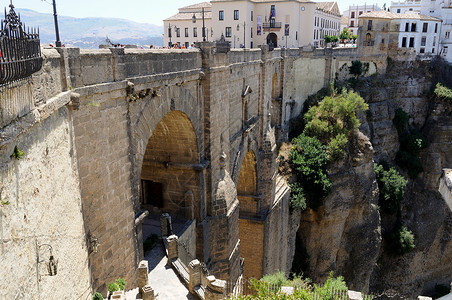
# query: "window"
398,10
236,14
178,32
228,31
251,32
352,23
445,49
410,9
272,12
360,13
221,15
447,34
251,45
403,42
169,32
411,42
424,27
195,32
186,32
252,16
382,41
407,27
369,25
423,40
422,50
436,27
433,50
434,41
352,15
413,27
187,45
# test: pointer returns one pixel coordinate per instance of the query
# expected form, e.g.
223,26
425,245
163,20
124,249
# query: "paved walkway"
162,279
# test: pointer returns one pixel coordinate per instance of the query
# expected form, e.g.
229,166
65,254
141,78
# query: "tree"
344,35
354,37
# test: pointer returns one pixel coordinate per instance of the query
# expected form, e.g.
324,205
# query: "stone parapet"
143,273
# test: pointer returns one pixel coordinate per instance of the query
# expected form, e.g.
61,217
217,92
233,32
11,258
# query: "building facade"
249,23
385,31
354,12
408,6
443,11
185,27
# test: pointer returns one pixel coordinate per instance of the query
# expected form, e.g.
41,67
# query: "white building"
441,9
353,13
249,23
181,29
408,6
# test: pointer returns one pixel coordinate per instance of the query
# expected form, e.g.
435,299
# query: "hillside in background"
90,32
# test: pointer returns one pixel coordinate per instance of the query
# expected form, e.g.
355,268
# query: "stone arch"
247,145
169,179
272,40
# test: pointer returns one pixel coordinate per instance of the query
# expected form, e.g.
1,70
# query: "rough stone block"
148,293
143,271
172,247
352,295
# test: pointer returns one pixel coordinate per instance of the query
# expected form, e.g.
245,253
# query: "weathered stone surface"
348,222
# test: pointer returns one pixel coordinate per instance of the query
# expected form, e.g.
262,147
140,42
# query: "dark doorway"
272,40
152,193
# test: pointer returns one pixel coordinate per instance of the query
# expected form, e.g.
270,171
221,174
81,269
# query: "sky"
143,11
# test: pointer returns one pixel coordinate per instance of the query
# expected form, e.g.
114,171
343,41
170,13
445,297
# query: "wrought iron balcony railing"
20,51
268,25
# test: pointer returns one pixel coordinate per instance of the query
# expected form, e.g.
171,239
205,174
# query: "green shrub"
325,292
443,92
334,116
413,142
277,279
309,161
392,188
98,296
409,162
401,120
17,153
356,68
336,147
401,240
113,287
121,282
297,196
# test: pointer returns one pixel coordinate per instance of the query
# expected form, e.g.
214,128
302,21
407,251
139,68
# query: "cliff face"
347,233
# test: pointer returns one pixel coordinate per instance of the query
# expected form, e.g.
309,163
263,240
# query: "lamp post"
203,24
57,32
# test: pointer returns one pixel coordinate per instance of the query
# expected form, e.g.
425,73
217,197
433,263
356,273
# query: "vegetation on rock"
443,92
392,188
269,288
401,240
98,296
411,143
324,139
17,153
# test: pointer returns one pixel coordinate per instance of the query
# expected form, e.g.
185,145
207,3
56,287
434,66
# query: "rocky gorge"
349,233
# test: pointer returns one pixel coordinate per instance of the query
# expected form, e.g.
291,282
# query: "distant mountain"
90,32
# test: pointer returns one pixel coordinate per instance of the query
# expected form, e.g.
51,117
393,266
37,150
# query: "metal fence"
20,51
184,255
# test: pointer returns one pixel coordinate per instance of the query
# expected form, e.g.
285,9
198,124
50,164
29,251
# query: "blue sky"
144,11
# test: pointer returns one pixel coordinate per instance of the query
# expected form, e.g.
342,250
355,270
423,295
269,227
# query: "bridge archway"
169,180
272,39
251,228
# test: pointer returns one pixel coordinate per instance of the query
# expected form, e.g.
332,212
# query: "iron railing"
268,25
20,51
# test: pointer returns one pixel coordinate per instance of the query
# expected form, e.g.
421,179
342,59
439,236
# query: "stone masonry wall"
44,207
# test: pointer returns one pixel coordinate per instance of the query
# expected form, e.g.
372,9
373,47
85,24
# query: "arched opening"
272,40
251,228
170,180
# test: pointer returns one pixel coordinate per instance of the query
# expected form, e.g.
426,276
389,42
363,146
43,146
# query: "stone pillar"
165,225
215,289
194,272
148,293
352,295
143,272
172,247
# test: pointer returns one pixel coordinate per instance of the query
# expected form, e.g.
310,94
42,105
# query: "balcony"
270,25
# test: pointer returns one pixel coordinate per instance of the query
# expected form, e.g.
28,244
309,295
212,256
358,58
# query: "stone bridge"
108,133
